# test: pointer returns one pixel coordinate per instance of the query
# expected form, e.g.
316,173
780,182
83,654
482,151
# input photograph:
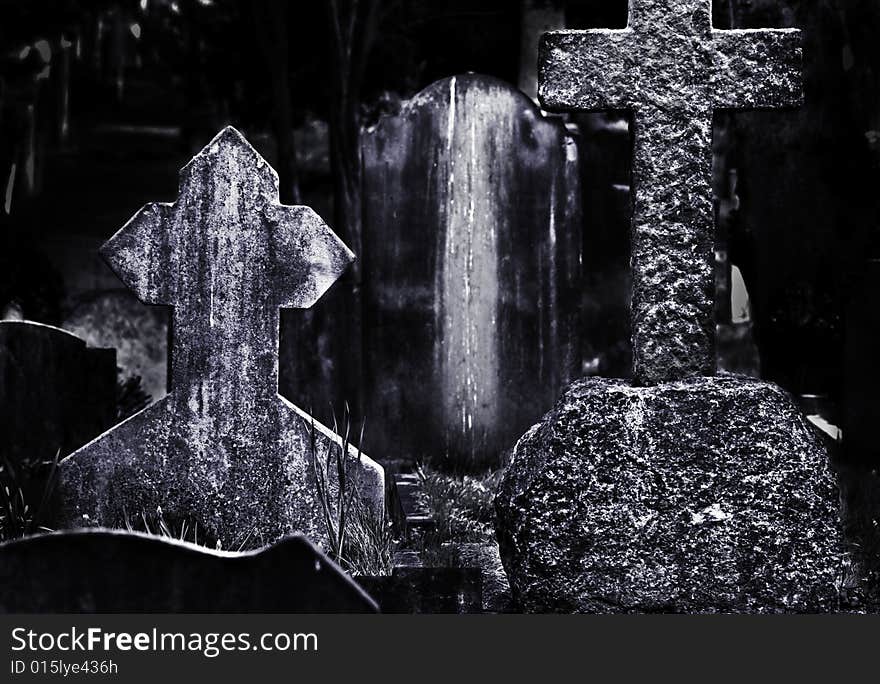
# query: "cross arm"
757,69
588,70
309,257
139,254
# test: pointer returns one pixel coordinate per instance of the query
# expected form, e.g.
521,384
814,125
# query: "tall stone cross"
671,69
223,449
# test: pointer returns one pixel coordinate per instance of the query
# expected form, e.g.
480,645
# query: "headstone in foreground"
223,450
702,496
102,571
472,238
672,70
697,494
56,394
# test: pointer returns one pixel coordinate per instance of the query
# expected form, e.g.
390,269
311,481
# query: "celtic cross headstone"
223,450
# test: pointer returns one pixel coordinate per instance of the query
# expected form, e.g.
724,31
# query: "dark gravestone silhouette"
223,450
472,238
55,393
672,70
101,571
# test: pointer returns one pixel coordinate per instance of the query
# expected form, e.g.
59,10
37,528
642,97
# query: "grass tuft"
461,506
25,496
360,543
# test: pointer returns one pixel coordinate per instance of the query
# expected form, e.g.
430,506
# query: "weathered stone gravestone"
55,393
677,492
671,70
102,571
472,238
223,450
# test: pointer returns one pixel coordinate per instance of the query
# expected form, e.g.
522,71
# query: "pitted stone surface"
223,449
704,495
671,69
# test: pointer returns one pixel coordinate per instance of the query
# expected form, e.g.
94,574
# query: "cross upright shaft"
671,69
227,256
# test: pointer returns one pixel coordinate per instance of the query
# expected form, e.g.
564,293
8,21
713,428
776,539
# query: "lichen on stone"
705,495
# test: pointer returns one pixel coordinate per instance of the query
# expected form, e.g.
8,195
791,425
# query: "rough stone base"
706,495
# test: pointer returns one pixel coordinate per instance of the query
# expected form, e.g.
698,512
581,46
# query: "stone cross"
672,70
223,449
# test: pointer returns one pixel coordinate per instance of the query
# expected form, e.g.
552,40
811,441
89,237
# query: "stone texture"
671,70
223,450
705,495
55,393
102,571
536,18
472,239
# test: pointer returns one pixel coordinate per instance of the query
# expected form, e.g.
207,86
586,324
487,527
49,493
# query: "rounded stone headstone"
472,241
